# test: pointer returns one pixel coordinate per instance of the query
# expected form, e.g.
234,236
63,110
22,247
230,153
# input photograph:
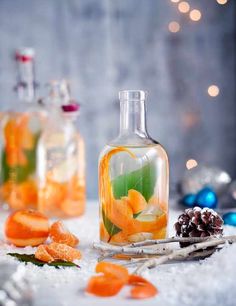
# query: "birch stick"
183,253
170,240
195,255
127,250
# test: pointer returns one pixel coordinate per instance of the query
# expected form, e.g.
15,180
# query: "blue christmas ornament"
206,197
230,218
188,200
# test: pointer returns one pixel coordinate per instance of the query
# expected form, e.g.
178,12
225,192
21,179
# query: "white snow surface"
206,282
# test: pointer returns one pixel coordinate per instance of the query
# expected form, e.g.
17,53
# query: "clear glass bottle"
133,179
61,158
21,125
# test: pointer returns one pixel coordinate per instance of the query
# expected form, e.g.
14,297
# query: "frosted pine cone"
197,222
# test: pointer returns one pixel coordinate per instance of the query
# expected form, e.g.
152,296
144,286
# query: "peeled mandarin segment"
72,208
120,214
113,271
63,252
51,197
28,193
42,254
65,199
136,201
78,193
104,286
142,288
60,234
20,196
148,226
26,227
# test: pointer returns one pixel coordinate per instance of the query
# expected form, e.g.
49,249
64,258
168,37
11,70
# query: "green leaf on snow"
26,258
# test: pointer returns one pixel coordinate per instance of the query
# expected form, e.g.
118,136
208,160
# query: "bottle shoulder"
148,151
133,140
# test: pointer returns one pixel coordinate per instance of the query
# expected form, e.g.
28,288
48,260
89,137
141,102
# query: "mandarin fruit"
26,227
42,254
60,234
63,252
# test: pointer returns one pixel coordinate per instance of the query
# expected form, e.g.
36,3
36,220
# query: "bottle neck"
25,86
133,118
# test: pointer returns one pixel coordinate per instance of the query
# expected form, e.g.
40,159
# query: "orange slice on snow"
104,286
113,271
142,288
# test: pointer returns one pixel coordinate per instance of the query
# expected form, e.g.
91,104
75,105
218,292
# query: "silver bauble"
197,178
232,189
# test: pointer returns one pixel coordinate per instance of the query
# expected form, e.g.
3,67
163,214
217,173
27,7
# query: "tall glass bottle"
20,129
60,158
133,179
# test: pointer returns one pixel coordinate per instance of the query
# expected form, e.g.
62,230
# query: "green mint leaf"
111,228
142,180
26,258
20,173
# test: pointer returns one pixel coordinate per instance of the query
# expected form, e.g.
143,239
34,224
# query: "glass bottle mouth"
132,95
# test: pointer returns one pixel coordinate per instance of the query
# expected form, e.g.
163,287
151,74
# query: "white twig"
129,251
111,250
170,240
184,252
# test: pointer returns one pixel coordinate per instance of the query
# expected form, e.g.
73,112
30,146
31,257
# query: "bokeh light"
195,15
175,1
184,7
213,90
191,163
174,27
222,1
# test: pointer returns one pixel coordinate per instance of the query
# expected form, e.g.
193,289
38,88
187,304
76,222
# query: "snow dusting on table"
209,282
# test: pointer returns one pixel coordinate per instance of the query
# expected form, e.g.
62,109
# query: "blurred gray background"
104,46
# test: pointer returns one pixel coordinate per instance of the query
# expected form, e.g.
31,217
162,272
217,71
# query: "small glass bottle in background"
61,158
21,126
133,179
